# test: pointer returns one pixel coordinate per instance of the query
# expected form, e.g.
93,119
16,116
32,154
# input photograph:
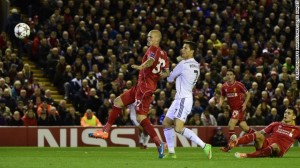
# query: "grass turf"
113,157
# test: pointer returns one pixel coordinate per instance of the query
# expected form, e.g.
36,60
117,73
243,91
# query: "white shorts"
180,109
133,114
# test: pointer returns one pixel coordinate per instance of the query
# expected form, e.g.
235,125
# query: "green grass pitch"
119,157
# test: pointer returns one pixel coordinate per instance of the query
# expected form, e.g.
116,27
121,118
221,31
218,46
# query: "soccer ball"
22,30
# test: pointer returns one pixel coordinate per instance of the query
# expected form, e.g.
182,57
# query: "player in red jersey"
155,65
235,93
281,136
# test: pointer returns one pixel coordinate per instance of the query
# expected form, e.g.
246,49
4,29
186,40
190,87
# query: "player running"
235,93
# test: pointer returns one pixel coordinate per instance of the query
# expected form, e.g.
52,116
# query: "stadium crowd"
87,47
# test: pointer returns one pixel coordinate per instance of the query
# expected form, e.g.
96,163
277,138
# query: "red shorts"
141,97
269,141
238,114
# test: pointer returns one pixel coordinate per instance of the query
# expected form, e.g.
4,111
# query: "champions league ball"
22,30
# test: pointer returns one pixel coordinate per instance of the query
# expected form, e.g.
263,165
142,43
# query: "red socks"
250,131
114,114
261,153
247,138
147,126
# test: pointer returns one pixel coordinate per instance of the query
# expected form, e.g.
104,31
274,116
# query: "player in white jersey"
143,136
186,74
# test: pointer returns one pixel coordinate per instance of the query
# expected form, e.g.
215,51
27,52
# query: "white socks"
143,139
189,134
169,135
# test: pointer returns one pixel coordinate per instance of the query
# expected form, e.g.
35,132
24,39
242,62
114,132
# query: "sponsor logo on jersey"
231,95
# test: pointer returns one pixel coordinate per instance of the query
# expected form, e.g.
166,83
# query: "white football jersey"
186,74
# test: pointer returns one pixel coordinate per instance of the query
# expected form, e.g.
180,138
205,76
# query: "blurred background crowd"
87,47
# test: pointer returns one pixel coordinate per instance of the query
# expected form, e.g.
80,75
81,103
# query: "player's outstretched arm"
146,64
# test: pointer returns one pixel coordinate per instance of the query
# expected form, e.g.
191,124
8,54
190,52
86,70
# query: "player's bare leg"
244,126
232,123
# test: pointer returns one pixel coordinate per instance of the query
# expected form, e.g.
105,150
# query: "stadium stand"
82,52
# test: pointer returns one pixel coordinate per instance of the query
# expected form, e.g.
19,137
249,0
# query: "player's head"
230,75
290,115
153,38
188,49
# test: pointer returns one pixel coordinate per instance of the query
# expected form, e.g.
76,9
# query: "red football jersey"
282,134
235,94
149,77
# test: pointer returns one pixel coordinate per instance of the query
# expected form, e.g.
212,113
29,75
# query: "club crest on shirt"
291,133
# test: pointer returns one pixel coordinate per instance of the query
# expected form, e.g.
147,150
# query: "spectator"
53,117
195,120
104,110
44,107
72,117
212,108
15,91
21,108
257,119
9,101
285,104
23,96
219,138
16,119
274,103
60,68
29,119
43,119
83,28
48,98
93,102
272,117
207,119
264,108
3,107
89,119
223,118
197,108
62,109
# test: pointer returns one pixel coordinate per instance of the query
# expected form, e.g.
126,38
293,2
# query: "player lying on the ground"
281,136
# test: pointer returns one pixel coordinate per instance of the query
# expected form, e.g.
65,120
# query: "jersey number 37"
161,63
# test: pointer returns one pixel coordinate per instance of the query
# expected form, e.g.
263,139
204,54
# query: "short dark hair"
193,45
293,109
230,70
